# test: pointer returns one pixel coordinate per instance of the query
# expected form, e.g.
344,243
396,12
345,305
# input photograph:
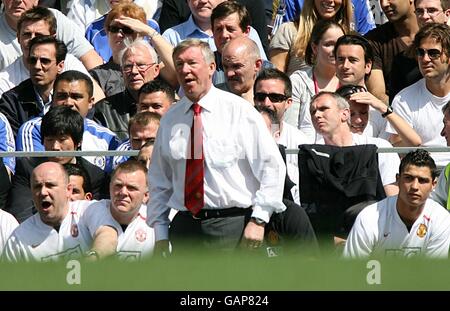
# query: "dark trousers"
218,233
289,231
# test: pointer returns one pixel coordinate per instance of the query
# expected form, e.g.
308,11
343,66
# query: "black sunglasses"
274,97
124,29
32,60
432,53
347,90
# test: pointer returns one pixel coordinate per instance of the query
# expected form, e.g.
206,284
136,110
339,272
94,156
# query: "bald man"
59,231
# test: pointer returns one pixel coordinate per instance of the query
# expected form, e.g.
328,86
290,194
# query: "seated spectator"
155,96
97,30
124,24
139,65
421,103
142,128
330,114
59,231
61,130
80,181
230,20
32,97
408,224
199,26
37,21
129,196
67,32
241,63
73,89
321,76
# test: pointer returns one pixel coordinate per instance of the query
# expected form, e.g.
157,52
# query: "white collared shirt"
243,166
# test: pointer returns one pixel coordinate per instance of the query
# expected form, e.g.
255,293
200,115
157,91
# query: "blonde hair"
309,17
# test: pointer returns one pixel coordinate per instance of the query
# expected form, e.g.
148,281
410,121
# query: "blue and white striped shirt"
95,137
7,142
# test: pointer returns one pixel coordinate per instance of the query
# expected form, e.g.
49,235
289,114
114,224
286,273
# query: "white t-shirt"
423,111
33,240
138,239
7,225
15,73
379,230
388,163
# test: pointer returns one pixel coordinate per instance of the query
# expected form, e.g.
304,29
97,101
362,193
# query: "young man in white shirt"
129,195
408,224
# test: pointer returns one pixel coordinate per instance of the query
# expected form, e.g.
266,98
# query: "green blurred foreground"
226,272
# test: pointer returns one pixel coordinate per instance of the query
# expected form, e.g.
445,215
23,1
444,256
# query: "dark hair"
60,47
75,75
158,86
78,170
319,29
62,120
439,32
36,14
349,89
227,8
273,73
129,166
421,158
355,39
445,4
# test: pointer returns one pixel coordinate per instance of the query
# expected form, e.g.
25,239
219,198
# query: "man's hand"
253,235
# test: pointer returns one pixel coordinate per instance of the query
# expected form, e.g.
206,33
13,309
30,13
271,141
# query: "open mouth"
46,205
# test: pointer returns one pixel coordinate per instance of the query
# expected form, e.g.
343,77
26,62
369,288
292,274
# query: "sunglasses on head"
124,29
432,53
347,90
273,97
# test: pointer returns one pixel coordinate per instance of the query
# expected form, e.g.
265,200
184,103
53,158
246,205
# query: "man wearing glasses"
421,103
139,65
432,11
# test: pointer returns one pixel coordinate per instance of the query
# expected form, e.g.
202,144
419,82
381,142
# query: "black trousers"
289,231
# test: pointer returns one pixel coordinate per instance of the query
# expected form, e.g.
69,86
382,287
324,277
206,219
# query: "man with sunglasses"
432,11
32,97
139,63
421,103
273,89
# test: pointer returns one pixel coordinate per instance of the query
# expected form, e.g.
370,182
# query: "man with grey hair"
330,115
139,63
227,180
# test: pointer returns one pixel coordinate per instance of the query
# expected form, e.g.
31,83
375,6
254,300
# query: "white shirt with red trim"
379,230
138,239
34,240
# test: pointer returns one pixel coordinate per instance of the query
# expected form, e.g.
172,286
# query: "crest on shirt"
140,235
99,161
74,230
422,230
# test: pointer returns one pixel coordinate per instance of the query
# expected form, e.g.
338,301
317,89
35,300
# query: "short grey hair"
341,102
130,46
207,53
